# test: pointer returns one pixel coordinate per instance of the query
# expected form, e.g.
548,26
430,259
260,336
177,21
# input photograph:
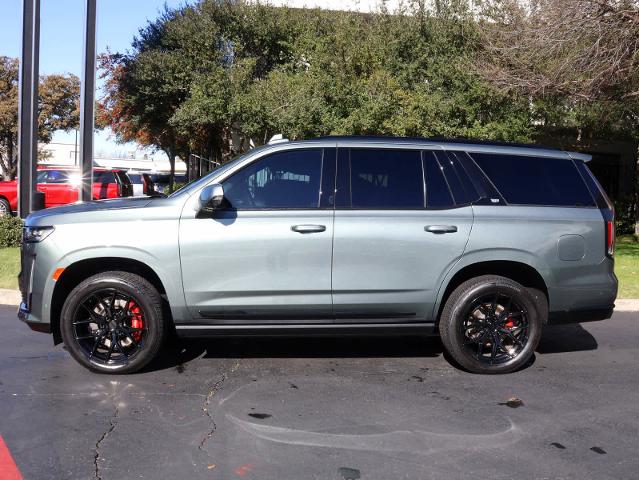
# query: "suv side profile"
482,244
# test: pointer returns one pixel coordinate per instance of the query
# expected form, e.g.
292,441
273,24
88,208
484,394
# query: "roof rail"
584,157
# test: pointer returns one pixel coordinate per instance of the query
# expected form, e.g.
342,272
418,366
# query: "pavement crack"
113,421
206,405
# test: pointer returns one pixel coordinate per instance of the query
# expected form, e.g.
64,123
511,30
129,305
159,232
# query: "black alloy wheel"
109,327
492,324
112,322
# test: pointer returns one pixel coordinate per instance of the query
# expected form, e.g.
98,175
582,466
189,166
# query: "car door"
395,235
57,187
267,257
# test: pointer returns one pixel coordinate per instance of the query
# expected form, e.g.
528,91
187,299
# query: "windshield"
206,178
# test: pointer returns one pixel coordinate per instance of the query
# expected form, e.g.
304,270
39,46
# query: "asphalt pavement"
325,408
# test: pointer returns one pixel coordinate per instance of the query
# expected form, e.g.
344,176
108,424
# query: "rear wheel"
5,207
491,324
112,322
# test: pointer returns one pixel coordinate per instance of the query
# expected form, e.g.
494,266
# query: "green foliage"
203,74
10,231
625,208
58,110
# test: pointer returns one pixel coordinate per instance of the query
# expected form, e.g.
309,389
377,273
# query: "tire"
5,207
492,324
112,322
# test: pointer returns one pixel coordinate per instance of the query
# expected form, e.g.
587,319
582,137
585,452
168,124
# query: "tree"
58,109
577,60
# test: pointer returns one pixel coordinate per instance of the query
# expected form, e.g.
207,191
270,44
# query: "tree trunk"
636,193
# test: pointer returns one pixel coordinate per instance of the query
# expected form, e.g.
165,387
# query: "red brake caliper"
509,323
137,321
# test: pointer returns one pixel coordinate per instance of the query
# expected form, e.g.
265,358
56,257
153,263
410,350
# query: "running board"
307,329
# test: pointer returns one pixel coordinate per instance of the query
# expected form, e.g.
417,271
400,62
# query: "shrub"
10,231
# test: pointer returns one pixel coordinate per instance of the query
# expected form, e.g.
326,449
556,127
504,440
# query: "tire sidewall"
5,208
152,319
459,309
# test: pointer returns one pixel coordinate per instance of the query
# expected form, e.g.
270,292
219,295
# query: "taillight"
610,238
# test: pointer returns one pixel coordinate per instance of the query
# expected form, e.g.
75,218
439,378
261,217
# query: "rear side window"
288,179
526,180
386,179
437,192
103,177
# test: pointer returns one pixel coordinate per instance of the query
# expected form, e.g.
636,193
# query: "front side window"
57,176
386,179
287,179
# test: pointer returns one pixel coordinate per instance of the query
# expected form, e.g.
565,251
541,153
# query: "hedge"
10,231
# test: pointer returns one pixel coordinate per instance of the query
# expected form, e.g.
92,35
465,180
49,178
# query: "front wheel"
491,324
112,322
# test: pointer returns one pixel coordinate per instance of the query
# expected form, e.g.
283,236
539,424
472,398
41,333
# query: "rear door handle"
441,228
308,228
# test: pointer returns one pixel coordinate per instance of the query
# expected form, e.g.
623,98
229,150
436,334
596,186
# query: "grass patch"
626,266
9,267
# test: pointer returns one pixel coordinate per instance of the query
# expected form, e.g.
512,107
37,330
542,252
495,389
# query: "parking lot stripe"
8,468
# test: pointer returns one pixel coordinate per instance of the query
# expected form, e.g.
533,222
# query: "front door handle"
441,228
308,228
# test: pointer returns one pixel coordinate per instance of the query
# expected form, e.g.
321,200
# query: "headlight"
35,234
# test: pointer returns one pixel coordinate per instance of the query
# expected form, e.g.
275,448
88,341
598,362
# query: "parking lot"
349,408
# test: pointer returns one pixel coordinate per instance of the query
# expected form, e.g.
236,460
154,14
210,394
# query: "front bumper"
26,317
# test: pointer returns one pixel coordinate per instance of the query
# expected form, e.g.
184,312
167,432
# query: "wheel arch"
520,272
83,269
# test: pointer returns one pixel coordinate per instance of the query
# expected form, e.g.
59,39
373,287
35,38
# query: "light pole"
87,101
28,107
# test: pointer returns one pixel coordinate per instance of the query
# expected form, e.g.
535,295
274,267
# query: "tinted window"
135,177
457,188
103,177
386,179
289,179
525,180
42,176
437,192
57,176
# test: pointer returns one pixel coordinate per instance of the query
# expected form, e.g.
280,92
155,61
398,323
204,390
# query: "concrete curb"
9,297
627,305
13,297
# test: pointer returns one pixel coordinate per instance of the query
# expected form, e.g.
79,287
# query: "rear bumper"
578,316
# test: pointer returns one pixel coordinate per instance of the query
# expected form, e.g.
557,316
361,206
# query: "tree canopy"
205,74
58,109
219,75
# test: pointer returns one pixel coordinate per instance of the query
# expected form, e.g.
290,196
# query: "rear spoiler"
584,157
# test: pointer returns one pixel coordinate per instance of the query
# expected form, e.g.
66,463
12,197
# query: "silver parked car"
482,244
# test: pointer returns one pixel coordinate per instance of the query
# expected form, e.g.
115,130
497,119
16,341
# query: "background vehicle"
137,182
480,243
61,186
159,182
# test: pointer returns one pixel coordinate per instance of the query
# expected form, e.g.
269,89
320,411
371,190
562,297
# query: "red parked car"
61,185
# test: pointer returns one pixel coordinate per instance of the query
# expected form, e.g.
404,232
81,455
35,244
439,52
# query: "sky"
118,21
61,34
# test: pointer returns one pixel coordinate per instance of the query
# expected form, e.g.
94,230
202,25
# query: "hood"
55,215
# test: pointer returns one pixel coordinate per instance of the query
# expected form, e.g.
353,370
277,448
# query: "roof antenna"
279,138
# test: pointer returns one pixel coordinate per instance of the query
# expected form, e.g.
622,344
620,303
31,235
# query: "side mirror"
211,198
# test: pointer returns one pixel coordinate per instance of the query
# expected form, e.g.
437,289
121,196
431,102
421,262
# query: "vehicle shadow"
181,351
566,338
555,339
